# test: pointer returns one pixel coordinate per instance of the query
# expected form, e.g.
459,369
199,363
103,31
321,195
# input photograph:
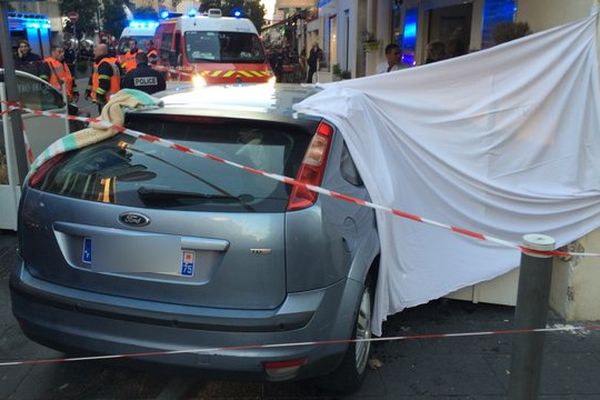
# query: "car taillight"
312,168
39,175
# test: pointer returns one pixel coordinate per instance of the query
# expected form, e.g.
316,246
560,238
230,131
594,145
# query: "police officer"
143,77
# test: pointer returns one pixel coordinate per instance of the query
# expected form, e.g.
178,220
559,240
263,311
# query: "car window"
348,168
127,171
38,95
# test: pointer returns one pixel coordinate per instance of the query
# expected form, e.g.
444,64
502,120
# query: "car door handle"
194,243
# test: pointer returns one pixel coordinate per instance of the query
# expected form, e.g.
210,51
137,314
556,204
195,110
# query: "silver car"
128,247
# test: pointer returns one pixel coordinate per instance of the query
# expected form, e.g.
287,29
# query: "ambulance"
141,31
211,49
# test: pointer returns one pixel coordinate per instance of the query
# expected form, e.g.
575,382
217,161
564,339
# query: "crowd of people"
109,74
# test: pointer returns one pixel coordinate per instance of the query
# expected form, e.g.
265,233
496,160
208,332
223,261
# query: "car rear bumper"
67,319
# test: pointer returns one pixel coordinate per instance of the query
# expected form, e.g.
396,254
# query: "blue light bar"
191,13
164,14
139,24
237,14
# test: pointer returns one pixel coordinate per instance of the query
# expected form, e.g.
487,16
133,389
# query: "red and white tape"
213,350
290,181
162,68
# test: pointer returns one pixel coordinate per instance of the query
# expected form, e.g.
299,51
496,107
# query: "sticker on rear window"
187,263
86,254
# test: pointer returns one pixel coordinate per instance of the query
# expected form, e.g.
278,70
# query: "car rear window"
127,171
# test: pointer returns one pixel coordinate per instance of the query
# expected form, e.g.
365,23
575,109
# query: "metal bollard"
535,277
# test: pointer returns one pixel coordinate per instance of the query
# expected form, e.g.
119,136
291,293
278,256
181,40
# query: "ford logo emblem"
134,219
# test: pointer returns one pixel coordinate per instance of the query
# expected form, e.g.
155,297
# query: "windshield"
232,47
141,42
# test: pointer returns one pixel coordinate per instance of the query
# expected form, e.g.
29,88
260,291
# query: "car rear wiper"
153,193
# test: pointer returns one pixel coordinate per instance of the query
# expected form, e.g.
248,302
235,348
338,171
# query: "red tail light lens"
39,175
312,168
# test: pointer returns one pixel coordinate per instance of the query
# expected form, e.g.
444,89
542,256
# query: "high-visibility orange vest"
152,53
128,60
115,79
59,72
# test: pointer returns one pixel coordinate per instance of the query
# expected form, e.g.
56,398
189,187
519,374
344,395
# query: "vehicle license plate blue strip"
187,263
86,255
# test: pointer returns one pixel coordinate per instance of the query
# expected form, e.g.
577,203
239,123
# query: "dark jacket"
30,63
145,79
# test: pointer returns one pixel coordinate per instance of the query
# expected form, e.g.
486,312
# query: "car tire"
350,374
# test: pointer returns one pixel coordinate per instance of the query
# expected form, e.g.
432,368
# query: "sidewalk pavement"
448,368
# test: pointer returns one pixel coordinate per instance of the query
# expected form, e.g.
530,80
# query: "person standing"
151,52
314,57
26,60
106,77
143,77
55,71
128,59
69,56
392,62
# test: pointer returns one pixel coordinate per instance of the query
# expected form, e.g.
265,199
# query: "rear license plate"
187,263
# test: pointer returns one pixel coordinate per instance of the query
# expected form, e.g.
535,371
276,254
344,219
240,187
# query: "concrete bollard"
535,277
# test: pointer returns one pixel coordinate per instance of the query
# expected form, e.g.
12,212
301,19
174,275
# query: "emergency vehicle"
139,30
213,48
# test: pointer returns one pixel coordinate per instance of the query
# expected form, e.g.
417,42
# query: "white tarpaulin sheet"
504,141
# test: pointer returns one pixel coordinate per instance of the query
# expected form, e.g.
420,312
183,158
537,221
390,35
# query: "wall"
544,14
575,280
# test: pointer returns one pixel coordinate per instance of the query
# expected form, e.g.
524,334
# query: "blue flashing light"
191,13
164,14
143,24
33,25
237,12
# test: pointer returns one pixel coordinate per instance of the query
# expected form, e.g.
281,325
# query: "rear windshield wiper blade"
160,193
166,194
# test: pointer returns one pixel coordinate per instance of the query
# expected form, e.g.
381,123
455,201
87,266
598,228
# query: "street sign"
73,16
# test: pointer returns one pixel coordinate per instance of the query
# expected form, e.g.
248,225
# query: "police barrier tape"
289,181
212,350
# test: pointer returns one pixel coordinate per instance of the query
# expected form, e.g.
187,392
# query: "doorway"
452,26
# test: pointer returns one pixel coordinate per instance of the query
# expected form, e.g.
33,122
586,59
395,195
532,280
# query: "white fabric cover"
503,141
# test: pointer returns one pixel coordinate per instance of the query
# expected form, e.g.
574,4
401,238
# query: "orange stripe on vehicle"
228,74
258,73
204,73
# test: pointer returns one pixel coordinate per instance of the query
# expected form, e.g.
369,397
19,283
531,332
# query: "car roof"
28,75
252,101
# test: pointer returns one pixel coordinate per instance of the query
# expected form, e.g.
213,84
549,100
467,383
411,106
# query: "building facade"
354,34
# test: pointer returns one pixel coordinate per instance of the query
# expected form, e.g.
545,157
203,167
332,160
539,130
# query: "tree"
254,10
145,13
114,19
87,14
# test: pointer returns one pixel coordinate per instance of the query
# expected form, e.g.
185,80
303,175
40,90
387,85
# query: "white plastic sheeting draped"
504,141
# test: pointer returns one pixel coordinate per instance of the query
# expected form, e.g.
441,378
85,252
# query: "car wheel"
349,375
